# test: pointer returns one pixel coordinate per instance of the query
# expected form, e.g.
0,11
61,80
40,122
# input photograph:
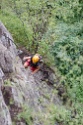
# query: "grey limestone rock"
5,118
20,88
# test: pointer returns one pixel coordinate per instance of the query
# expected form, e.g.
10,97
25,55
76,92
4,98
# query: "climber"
33,61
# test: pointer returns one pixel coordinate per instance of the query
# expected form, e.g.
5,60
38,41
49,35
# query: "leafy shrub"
26,115
64,116
68,54
21,34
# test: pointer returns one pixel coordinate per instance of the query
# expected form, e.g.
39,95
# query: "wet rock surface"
19,87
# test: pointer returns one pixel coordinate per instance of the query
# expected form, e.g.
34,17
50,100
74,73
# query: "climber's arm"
35,70
38,68
26,58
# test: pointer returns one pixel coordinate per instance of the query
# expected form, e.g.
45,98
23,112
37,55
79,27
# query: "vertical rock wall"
18,87
7,53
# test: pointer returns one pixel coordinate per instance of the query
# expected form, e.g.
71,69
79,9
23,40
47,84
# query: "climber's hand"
26,58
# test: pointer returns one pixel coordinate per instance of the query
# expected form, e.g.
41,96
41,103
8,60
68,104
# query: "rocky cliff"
19,88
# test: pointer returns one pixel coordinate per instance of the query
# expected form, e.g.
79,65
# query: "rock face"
5,118
7,50
6,65
19,88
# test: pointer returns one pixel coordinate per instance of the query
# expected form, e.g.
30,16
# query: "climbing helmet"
35,58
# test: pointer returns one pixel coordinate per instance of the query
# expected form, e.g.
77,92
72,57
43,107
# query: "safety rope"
9,39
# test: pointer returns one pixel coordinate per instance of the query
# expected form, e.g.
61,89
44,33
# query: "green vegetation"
64,116
68,51
15,27
54,28
26,115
